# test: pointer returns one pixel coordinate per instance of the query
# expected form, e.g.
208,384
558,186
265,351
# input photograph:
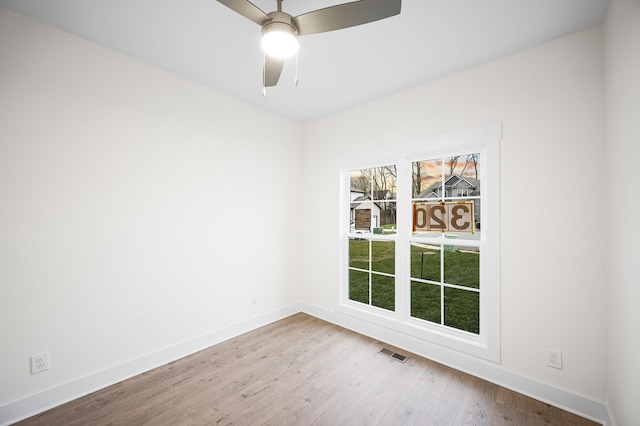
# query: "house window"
415,257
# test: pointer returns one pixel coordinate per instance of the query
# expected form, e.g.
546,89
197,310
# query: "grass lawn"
461,268
382,259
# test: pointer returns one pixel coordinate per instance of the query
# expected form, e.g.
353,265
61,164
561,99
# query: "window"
372,260
445,274
415,257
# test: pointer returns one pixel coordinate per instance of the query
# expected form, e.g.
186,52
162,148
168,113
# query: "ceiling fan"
280,30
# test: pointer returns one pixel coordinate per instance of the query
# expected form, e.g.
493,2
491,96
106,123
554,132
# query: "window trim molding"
487,138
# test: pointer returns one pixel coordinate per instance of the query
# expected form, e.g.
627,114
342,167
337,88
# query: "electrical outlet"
39,362
554,358
254,300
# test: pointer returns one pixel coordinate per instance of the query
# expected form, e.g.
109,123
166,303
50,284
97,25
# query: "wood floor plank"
440,413
304,371
478,404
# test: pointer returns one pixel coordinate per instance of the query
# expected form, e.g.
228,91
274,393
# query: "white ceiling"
205,41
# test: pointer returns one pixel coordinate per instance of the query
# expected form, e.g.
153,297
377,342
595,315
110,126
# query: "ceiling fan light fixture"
280,30
279,40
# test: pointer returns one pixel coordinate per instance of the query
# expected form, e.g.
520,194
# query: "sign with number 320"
455,216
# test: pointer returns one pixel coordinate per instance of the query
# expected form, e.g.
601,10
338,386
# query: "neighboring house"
456,186
355,193
382,213
365,215
377,195
382,195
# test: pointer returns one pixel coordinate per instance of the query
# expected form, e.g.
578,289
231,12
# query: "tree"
474,159
453,163
417,178
361,183
387,178
469,159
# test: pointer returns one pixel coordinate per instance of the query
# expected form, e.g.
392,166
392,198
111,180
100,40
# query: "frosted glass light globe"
279,40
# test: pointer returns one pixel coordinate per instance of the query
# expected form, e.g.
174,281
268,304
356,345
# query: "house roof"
453,181
360,200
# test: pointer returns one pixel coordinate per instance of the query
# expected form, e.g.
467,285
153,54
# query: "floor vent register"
392,354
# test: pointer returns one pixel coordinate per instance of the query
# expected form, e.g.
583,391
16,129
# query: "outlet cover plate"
554,358
39,362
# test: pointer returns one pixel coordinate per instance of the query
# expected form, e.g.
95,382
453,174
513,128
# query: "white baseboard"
29,406
568,401
34,404
612,419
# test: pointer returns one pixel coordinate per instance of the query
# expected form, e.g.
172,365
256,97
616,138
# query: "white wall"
137,209
549,100
622,81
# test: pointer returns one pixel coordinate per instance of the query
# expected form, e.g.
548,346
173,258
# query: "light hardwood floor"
304,371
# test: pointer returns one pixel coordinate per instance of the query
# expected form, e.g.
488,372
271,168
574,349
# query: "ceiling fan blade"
272,70
246,9
346,15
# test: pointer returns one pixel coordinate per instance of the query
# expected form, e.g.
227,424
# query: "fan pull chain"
264,76
296,80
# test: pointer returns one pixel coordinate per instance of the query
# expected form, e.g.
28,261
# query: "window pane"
363,216
426,179
358,253
360,183
383,181
388,222
425,301
383,255
462,309
463,172
425,262
422,215
462,266
359,286
383,292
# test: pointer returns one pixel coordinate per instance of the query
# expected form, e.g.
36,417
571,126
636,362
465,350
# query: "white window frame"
482,139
